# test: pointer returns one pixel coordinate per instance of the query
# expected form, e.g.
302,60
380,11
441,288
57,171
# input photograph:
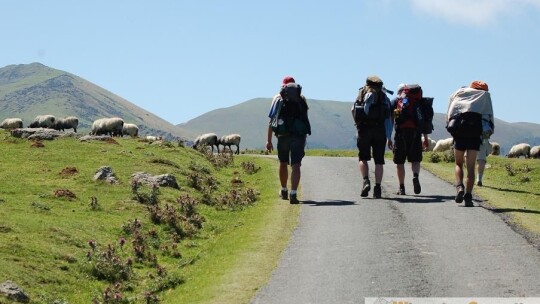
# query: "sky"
180,59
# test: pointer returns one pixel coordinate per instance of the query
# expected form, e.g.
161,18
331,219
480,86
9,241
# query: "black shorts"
371,138
407,146
467,143
290,149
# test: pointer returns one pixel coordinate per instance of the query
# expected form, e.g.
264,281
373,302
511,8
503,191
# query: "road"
346,247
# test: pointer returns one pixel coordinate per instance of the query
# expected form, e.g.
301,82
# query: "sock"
377,185
283,188
480,177
366,179
293,192
415,175
401,186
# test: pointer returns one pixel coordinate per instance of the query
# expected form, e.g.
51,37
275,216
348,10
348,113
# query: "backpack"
291,112
422,113
378,111
468,125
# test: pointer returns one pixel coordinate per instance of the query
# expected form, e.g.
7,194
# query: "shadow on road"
329,203
505,210
423,199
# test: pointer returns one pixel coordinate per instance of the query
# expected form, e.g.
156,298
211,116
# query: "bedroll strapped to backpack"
291,113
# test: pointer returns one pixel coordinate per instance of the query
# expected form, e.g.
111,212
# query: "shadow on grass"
507,210
328,203
423,199
511,190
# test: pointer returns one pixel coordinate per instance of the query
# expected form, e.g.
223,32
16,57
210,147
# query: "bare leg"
283,174
460,159
401,173
378,173
471,164
364,168
295,177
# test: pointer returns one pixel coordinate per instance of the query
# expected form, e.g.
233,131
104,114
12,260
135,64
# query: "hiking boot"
468,200
284,194
479,183
365,189
460,192
377,191
416,184
401,191
293,199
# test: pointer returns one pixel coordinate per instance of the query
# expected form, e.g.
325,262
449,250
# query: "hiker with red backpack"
289,122
409,120
371,114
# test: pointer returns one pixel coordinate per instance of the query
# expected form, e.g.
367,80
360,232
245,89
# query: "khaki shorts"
485,150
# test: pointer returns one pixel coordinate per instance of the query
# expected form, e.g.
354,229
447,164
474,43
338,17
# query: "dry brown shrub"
37,144
68,171
65,193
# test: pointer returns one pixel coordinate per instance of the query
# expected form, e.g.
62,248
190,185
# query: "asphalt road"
346,247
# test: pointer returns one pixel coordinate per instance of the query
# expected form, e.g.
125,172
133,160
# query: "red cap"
479,85
288,79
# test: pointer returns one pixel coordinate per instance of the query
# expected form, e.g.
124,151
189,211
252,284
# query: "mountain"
332,125
28,90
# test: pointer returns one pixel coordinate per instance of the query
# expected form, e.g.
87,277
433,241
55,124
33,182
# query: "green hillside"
28,90
67,238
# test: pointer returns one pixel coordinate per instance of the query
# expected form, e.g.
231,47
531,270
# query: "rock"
13,292
106,173
163,180
38,133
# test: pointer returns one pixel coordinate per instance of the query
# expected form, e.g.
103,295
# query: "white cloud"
472,12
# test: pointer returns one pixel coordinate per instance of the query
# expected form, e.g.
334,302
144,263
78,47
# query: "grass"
510,187
67,249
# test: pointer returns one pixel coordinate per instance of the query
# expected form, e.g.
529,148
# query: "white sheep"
107,126
11,123
152,138
70,122
443,145
208,139
495,148
229,140
535,152
431,143
43,121
518,150
130,130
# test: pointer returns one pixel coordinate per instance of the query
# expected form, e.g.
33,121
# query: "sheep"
107,126
66,123
535,152
130,129
152,138
43,121
431,144
495,148
518,150
11,123
229,140
208,139
443,145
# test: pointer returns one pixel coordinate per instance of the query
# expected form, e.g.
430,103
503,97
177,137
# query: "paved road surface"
347,247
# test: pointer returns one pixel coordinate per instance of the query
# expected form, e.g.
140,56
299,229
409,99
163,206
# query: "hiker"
290,124
469,117
371,114
481,158
408,145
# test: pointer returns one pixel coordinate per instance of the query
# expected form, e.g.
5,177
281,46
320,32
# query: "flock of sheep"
104,126
516,151
211,139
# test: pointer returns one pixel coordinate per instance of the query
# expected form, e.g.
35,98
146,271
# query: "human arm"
269,145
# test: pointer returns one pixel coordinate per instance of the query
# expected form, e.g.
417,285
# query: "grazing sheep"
495,148
130,130
11,123
431,144
229,140
152,138
43,121
443,145
107,126
520,150
70,122
535,152
208,139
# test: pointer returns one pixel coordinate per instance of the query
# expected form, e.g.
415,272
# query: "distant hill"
332,125
28,90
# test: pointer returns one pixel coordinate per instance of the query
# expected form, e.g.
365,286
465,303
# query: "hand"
269,146
426,143
390,145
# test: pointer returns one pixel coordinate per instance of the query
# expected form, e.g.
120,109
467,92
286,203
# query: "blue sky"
181,58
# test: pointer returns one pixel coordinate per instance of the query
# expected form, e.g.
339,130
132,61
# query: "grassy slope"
44,239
